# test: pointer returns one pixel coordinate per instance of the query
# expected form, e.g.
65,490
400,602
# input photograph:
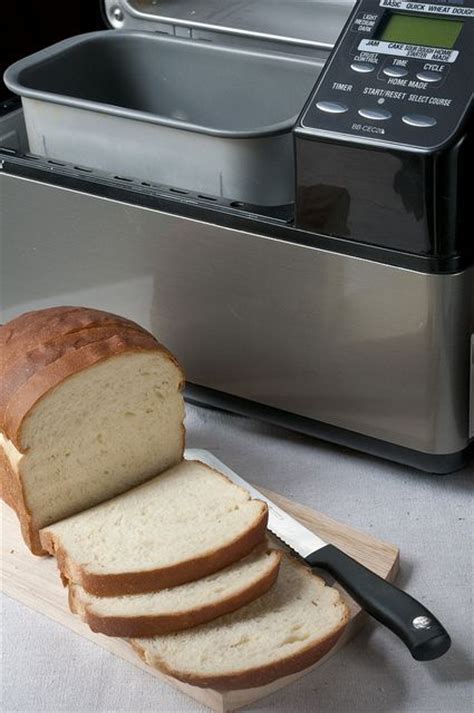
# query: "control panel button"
375,114
419,120
394,71
429,76
362,67
332,107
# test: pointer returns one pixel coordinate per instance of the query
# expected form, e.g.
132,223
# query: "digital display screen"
416,30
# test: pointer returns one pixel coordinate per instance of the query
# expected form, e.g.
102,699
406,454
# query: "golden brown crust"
11,491
73,361
32,341
23,367
153,625
25,342
32,329
112,585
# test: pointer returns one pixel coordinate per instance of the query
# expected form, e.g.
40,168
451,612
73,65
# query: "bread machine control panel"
402,72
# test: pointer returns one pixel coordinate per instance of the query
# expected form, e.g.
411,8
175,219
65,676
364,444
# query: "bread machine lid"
305,23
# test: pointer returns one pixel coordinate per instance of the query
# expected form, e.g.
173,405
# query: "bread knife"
415,625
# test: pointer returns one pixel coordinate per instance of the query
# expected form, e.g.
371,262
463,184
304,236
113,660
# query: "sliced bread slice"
286,630
186,523
180,607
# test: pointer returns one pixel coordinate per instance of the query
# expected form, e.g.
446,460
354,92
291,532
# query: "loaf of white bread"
168,551
90,405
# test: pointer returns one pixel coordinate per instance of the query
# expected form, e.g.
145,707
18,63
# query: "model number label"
368,128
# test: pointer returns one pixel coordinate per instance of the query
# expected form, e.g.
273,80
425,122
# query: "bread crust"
32,329
26,342
152,625
73,361
19,370
11,491
114,585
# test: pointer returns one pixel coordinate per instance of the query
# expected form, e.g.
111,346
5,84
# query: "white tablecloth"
47,668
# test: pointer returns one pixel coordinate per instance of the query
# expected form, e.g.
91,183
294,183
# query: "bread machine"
279,190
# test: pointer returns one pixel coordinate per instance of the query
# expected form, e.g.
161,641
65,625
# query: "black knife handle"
425,637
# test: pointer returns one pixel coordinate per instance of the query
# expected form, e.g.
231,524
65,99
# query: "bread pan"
189,114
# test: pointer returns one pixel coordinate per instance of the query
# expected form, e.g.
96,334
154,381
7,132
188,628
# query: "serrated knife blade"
415,625
285,527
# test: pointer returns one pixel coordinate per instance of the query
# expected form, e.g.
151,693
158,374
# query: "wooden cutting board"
35,582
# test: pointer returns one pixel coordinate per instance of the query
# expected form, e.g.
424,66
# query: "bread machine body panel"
364,347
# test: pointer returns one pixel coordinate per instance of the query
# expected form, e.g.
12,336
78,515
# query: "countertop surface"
48,668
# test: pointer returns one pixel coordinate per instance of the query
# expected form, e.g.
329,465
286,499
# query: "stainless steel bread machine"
279,191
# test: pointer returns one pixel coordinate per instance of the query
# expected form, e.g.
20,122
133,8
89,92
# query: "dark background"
26,27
